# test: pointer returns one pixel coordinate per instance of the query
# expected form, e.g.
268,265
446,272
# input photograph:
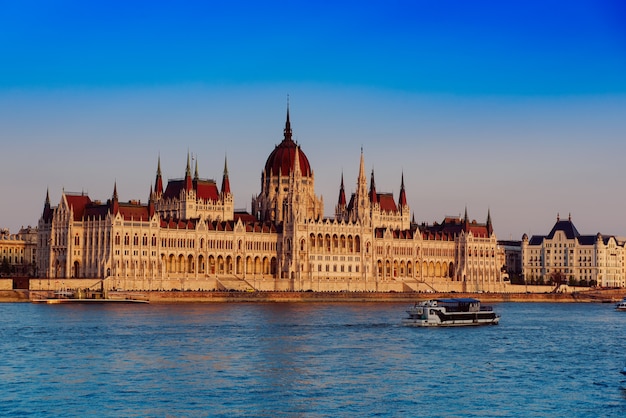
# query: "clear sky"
518,107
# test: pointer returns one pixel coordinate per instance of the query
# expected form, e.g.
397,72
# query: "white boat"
451,312
621,306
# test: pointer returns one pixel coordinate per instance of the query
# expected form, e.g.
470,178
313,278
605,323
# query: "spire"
296,162
195,175
489,225
342,194
225,182
158,183
47,211
465,217
188,184
287,130
402,200
115,202
373,195
151,204
362,167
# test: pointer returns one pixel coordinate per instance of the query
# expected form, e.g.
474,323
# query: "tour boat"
621,306
452,312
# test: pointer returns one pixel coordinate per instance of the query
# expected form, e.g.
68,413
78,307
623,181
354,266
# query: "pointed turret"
158,183
373,195
196,177
287,130
489,226
47,209
151,208
466,219
115,201
225,182
342,194
296,162
188,182
402,199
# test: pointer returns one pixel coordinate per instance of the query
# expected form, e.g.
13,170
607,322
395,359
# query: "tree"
557,278
5,267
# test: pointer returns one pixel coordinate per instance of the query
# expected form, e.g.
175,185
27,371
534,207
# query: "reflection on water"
308,360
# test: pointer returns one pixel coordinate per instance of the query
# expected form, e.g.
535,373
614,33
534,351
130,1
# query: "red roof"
205,189
77,203
134,211
283,157
387,203
452,227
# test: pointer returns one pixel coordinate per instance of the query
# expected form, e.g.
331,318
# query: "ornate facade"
18,252
582,259
189,236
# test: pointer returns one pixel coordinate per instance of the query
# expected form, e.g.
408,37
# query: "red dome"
282,159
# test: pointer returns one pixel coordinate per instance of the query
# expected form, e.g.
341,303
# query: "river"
308,360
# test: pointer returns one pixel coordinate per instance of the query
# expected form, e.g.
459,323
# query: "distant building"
18,252
512,251
582,259
189,236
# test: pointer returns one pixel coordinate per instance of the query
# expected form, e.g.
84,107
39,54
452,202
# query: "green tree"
5,267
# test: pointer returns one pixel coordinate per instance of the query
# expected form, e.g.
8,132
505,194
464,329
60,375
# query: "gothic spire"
296,162
151,203
115,202
287,130
489,225
195,175
47,210
342,194
373,195
158,183
225,181
402,199
188,183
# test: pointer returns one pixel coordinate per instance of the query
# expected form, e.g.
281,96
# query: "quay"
589,296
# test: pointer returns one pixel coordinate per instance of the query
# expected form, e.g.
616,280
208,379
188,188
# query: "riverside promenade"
589,296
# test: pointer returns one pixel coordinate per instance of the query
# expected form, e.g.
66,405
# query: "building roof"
205,189
281,160
453,226
386,202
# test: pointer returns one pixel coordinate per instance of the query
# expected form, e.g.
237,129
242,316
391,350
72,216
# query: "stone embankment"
597,296
591,296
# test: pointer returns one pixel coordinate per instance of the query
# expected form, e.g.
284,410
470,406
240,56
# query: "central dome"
282,159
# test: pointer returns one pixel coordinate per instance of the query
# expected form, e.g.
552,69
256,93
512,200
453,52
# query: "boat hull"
450,323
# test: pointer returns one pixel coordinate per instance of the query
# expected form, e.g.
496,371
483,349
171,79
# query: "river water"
308,360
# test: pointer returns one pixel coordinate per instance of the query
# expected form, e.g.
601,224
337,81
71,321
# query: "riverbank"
591,296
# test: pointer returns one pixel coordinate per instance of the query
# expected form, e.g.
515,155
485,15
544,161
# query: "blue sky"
516,106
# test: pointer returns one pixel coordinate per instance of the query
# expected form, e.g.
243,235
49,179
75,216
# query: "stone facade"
18,252
583,259
188,236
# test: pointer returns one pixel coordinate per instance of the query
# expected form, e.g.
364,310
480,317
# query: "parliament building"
188,236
